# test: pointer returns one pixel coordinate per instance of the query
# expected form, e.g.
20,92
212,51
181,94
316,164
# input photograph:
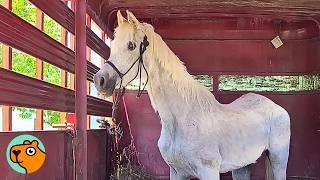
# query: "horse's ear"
120,18
132,19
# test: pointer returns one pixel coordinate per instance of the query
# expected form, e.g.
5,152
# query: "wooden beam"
21,35
81,100
7,64
19,90
39,70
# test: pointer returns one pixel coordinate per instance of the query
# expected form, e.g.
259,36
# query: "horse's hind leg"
278,151
243,173
277,165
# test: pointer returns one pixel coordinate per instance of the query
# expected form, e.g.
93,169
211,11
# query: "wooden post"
215,88
81,95
7,64
88,54
39,70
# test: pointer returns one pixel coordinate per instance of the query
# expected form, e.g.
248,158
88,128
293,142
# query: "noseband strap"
143,46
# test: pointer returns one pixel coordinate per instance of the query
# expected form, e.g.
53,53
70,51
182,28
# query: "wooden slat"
7,64
58,11
39,70
88,56
20,90
64,74
21,35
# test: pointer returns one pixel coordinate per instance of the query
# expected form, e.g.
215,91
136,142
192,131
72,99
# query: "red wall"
305,119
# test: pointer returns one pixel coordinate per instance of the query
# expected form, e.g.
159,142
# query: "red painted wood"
100,154
59,155
81,91
304,157
23,36
236,28
58,11
19,90
103,11
58,163
249,57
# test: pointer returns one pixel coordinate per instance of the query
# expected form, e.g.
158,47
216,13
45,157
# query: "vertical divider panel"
64,74
80,91
39,70
88,56
72,44
7,64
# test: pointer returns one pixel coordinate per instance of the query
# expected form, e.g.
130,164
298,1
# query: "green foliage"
51,74
25,10
24,113
51,117
23,63
52,28
269,83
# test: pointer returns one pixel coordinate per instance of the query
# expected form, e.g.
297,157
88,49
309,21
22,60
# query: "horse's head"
127,50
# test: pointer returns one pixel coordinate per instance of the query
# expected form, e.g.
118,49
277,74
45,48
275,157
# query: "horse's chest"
176,155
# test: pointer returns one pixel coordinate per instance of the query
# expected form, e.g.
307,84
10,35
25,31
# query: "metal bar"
81,100
21,35
7,64
39,70
19,90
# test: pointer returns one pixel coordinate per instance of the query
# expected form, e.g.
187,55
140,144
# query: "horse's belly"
235,156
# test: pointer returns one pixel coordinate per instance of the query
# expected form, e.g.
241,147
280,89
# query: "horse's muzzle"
104,83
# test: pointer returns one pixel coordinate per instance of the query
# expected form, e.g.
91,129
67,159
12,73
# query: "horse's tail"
269,172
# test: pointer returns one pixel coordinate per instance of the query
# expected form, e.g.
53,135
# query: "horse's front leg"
209,174
174,175
209,169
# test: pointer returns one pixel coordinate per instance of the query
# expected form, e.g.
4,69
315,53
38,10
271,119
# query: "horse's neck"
174,97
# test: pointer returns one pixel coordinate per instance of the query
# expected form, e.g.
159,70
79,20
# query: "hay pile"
130,172
128,166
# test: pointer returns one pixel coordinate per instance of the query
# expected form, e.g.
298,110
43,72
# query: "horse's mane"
176,70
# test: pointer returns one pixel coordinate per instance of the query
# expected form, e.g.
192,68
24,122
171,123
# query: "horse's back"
255,129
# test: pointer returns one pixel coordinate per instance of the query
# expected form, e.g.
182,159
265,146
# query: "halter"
143,46
142,49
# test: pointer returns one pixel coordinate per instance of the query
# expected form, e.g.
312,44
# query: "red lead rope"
130,151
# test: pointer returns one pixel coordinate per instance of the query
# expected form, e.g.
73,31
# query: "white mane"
161,55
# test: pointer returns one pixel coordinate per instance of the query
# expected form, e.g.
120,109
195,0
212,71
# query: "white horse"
199,137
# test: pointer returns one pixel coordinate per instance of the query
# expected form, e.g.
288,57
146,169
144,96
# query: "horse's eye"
131,46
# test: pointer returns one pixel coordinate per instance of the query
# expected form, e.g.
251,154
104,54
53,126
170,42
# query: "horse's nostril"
101,81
